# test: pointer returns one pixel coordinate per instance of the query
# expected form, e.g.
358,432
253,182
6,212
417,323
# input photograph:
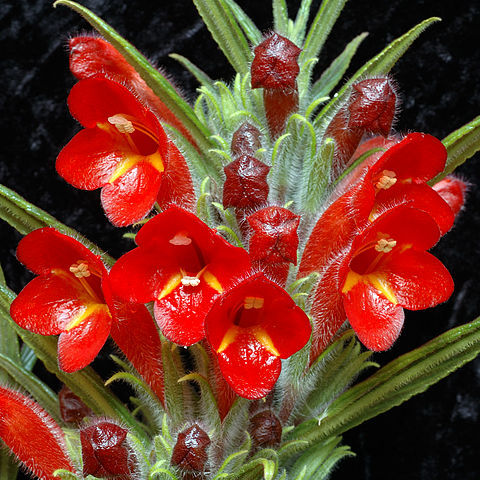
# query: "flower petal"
376,321
45,249
418,279
249,368
48,304
418,157
132,195
89,160
79,346
452,190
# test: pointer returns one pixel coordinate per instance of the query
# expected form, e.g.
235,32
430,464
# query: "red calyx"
191,450
246,140
105,451
266,430
246,186
275,69
72,408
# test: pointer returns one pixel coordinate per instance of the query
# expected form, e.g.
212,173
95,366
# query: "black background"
434,435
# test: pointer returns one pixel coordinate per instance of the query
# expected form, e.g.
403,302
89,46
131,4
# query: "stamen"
189,281
253,302
387,180
180,239
80,269
385,245
121,124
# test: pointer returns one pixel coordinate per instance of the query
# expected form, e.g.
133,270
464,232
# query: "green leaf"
461,145
301,20
35,387
29,217
27,357
318,175
321,26
199,74
280,16
8,466
395,383
379,65
335,72
153,78
85,383
251,31
225,31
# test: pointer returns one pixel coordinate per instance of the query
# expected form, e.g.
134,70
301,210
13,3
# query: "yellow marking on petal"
125,165
85,314
229,338
264,338
377,281
171,285
253,302
212,281
156,160
257,331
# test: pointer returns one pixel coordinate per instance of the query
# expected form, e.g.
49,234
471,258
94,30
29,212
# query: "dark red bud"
246,140
372,105
72,408
246,185
275,64
190,451
279,104
266,430
105,452
275,238
452,190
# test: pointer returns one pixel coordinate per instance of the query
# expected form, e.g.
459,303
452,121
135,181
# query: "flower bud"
266,430
72,408
246,185
275,69
246,140
190,451
452,190
105,451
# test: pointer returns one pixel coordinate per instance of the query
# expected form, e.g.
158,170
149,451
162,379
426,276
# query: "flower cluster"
254,265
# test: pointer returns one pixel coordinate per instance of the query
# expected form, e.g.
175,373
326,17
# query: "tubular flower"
32,435
92,56
72,297
251,327
182,265
123,150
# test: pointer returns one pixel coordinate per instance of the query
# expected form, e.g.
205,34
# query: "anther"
190,281
253,302
121,124
80,269
387,180
385,245
180,239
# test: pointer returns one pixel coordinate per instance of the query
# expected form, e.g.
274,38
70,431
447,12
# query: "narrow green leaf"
2,276
395,383
173,390
318,175
27,357
8,466
199,74
335,72
381,64
153,78
35,387
35,217
280,16
225,31
251,31
301,22
321,26
461,145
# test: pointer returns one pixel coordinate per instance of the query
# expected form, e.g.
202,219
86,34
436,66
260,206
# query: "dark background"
434,435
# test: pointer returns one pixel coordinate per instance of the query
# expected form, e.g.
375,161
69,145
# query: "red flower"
72,297
123,150
32,435
251,327
452,190
182,265
93,56
105,451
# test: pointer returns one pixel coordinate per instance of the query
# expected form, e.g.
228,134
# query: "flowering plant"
287,224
